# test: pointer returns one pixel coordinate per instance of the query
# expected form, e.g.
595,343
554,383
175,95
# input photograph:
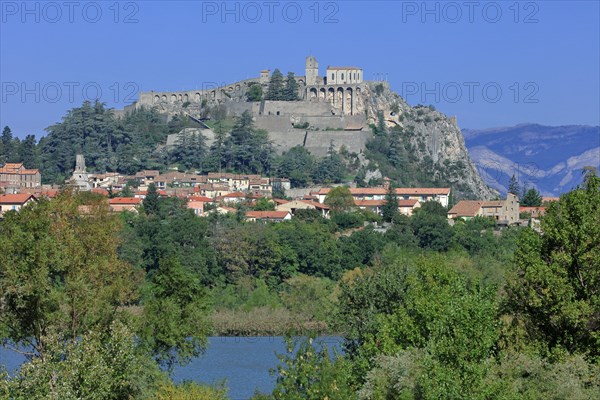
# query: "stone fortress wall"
334,110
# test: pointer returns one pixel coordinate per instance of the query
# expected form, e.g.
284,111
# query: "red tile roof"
200,198
20,198
466,208
492,203
235,194
267,214
125,201
369,203
534,211
399,191
422,191
316,204
101,191
376,203
407,203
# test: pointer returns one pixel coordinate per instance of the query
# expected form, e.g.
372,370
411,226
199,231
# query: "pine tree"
513,186
390,207
6,152
331,168
531,198
291,88
276,88
28,152
151,201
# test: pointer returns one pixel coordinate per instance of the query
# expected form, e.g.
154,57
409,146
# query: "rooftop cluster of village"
225,192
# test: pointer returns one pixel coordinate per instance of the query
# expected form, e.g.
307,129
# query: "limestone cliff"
434,141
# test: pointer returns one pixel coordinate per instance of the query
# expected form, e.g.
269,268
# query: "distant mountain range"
549,158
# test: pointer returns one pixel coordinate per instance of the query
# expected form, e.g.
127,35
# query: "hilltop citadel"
331,108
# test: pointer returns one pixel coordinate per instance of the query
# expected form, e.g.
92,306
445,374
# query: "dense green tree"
513,186
309,296
217,151
152,201
175,309
344,220
276,89
175,233
315,247
309,372
264,204
423,303
125,144
60,273
6,145
361,247
88,130
401,233
555,286
475,235
291,88
255,92
330,169
28,153
390,207
96,366
248,149
434,208
531,198
189,150
431,230
339,199
296,164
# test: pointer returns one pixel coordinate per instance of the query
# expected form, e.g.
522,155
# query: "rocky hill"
430,149
433,142
549,158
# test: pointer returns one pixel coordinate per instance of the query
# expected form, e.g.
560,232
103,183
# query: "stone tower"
80,177
312,70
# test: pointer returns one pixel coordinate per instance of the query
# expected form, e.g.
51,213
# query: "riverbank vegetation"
105,305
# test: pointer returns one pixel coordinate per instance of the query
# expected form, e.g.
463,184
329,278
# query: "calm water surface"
243,363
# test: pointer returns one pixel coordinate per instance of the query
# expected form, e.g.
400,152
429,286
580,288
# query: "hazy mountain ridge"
548,157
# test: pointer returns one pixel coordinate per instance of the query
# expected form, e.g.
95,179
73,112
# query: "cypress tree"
276,89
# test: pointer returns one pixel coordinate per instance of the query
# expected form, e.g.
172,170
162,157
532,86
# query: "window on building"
342,75
332,77
359,75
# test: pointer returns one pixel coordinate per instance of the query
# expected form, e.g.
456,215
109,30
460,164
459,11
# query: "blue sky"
487,63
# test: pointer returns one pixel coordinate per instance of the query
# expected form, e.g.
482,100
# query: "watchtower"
312,70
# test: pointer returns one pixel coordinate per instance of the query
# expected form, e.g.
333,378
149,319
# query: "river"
243,363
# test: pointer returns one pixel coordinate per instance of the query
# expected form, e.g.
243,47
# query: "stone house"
405,207
14,202
295,205
535,212
441,195
15,174
505,212
268,216
119,204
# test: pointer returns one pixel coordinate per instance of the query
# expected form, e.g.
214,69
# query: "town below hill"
257,198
